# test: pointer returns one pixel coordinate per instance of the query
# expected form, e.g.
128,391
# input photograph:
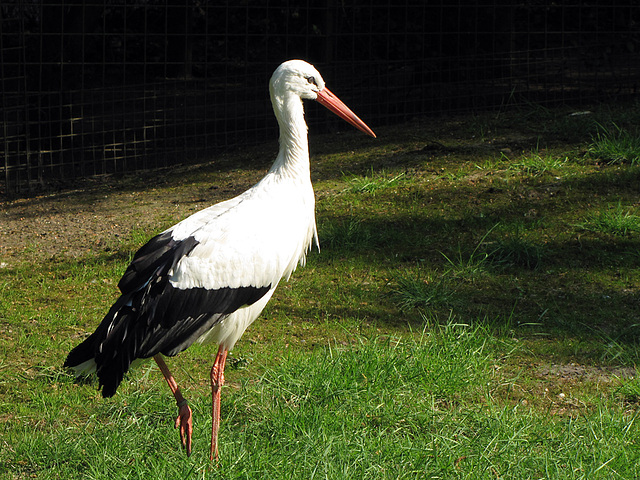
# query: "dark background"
100,87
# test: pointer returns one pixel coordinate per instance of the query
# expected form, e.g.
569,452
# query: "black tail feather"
81,353
111,364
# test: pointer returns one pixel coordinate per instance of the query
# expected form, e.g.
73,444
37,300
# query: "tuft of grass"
421,291
615,145
630,391
618,221
469,267
375,182
537,164
517,251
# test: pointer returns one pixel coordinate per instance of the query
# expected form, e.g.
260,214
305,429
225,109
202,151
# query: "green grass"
616,144
375,182
610,220
536,163
473,313
377,408
421,291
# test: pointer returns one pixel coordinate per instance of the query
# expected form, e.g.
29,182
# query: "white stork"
207,278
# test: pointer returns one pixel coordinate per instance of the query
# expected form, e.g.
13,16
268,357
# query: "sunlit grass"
616,144
383,407
537,163
375,181
613,220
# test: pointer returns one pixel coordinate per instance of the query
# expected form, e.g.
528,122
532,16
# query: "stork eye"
312,80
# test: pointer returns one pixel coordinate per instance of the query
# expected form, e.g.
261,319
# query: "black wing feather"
161,252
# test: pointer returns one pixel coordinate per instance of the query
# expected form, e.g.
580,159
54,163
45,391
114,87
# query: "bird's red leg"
217,380
183,421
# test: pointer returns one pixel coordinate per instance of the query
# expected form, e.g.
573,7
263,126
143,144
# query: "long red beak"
333,103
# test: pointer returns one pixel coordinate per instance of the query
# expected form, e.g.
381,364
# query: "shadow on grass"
568,286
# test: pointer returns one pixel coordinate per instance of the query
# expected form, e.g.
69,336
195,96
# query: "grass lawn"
474,313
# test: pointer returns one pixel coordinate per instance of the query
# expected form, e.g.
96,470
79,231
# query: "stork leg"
183,421
217,380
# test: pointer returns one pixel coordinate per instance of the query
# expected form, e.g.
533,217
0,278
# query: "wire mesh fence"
108,86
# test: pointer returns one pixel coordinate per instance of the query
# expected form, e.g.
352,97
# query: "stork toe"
184,423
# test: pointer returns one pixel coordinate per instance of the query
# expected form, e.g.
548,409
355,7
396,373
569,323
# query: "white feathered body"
253,240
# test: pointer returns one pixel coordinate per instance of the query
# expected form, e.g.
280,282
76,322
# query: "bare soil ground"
97,213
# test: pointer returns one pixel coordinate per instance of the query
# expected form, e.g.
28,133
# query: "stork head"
303,80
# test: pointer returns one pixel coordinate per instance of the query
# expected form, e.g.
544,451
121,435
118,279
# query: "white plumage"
207,278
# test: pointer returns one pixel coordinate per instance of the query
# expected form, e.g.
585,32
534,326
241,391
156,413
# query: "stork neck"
293,156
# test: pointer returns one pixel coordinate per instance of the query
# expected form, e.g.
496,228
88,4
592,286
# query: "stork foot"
184,423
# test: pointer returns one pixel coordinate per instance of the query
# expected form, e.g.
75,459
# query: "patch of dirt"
70,224
60,225
595,374
96,216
